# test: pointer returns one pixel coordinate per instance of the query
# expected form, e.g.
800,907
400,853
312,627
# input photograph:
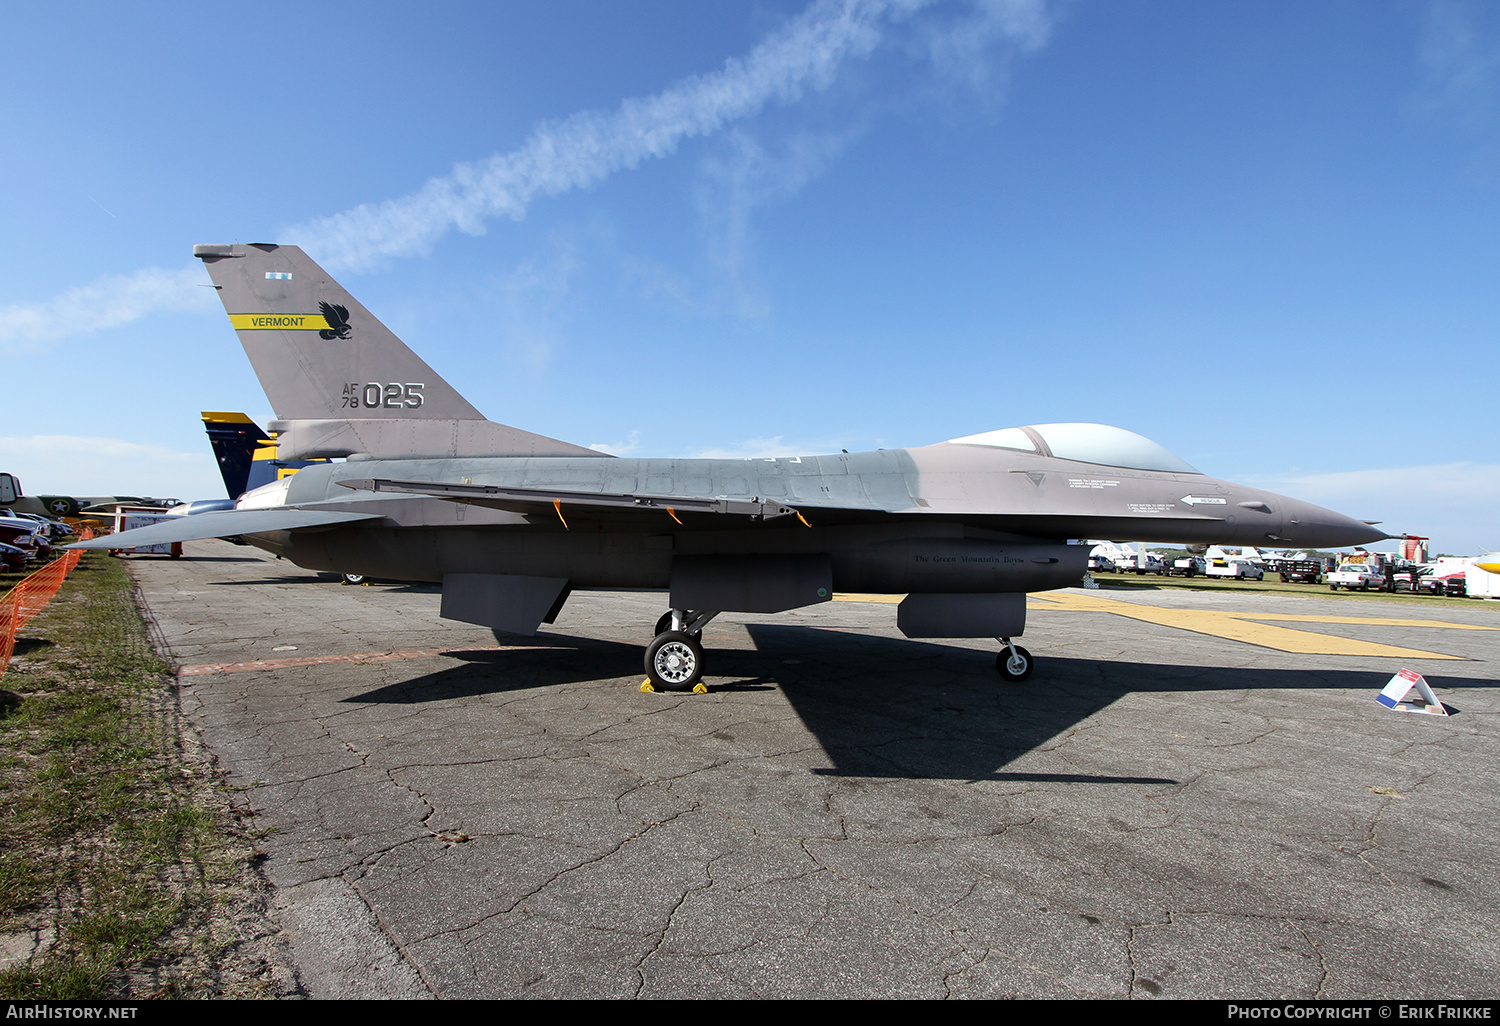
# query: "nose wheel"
1014,662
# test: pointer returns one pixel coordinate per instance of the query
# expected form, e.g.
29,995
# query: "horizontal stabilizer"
225,524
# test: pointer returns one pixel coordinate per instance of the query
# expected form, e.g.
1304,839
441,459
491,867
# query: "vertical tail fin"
246,455
234,438
339,380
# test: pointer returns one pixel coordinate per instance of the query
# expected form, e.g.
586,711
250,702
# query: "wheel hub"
674,662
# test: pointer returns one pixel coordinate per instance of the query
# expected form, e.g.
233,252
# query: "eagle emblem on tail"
338,321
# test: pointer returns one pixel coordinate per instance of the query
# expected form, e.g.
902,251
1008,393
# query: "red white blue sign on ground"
1393,695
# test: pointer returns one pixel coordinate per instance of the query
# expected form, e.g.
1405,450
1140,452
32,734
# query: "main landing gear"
674,659
1014,662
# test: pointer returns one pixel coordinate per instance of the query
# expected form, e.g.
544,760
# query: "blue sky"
1264,235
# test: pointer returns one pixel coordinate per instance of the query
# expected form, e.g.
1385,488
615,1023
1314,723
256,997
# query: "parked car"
1418,579
1147,563
12,558
56,530
1187,566
23,533
1356,575
1302,571
1101,564
1455,583
1235,569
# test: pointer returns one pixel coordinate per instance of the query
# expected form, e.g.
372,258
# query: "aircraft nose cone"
1313,527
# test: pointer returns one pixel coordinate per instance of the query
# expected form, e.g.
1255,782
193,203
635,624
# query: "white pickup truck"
1234,567
1356,575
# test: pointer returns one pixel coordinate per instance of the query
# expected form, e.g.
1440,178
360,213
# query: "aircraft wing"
223,524
548,500
559,502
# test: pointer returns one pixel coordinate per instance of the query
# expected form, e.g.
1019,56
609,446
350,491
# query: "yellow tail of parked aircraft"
246,455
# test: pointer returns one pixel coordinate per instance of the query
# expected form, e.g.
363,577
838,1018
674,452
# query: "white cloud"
766,448
107,302
619,448
533,298
1454,504
748,175
1460,54
963,48
82,465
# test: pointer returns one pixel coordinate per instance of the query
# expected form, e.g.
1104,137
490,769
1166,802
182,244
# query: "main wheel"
674,661
354,578
1015,667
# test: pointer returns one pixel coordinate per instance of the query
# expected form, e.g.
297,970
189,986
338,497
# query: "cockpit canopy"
1086,443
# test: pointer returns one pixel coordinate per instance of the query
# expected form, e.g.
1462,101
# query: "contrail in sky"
103,303
575,152
591,145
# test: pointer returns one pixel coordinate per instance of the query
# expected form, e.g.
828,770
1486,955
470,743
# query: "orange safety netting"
31,596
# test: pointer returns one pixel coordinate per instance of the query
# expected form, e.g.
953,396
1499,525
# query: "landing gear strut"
1014,662
674,659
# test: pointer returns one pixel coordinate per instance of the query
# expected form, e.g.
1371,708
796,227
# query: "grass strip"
124,872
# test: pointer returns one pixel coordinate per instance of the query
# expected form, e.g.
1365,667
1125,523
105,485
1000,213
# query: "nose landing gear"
1014,662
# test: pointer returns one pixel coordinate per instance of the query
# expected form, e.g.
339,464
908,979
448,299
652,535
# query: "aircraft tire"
1015,668
674,661
354,579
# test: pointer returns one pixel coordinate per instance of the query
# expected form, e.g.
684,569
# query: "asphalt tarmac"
1174,805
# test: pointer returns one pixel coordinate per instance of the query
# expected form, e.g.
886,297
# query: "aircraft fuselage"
944,518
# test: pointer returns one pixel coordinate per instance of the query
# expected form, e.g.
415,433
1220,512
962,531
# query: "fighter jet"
511,522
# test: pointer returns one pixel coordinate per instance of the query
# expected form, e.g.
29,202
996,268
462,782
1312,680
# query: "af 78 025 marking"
377,396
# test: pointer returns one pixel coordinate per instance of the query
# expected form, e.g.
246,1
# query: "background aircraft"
246,455
12,496
510,522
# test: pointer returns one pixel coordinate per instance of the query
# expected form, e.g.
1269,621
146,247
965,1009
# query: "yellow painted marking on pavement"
855,597
356,658
1241,627
1379,621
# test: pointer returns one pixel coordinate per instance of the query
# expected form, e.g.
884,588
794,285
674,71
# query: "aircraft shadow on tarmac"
283,579
538,662
326,581
891,707
882,706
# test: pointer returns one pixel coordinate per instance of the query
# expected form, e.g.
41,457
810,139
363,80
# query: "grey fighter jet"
510,522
